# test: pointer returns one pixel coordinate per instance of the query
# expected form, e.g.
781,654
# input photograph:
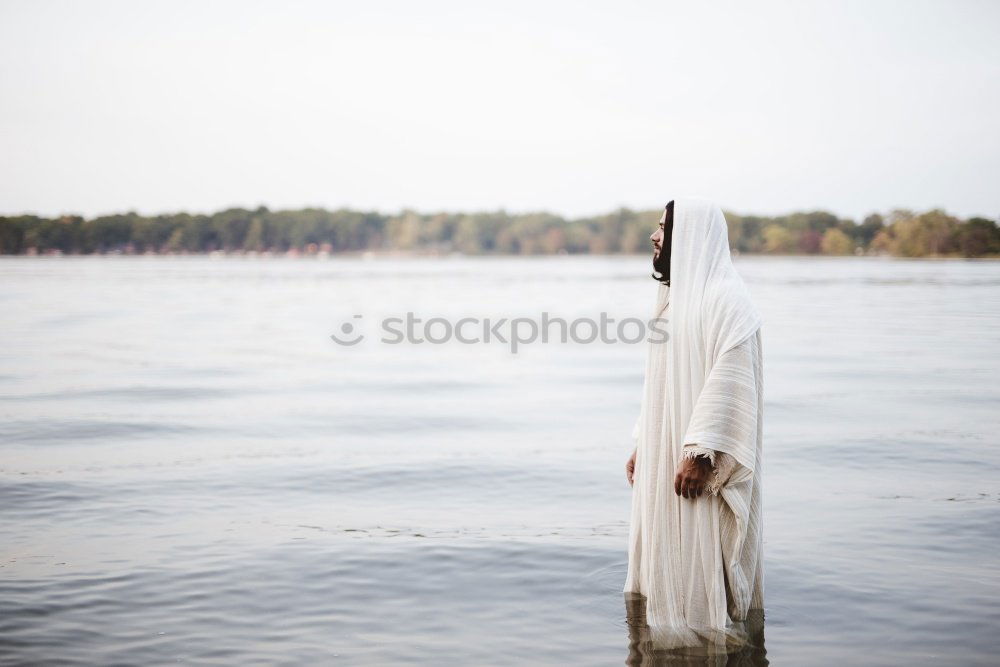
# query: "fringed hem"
694,451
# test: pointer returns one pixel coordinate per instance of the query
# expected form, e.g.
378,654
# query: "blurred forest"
318,231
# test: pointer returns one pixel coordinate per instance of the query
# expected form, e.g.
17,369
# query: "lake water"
192,470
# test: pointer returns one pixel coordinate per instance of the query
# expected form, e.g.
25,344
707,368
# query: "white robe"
698,562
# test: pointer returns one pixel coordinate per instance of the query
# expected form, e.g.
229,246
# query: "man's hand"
630,468
692,476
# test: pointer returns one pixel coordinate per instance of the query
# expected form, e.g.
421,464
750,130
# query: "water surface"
191,470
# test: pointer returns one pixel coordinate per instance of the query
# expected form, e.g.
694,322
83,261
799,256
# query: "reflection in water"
642,650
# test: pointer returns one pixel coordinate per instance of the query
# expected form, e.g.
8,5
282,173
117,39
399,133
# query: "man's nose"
655,236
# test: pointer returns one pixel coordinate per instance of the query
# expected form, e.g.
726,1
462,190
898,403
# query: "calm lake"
192,470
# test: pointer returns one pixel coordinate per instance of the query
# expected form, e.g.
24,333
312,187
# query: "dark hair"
661,265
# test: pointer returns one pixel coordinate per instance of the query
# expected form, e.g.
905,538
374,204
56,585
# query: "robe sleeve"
723,425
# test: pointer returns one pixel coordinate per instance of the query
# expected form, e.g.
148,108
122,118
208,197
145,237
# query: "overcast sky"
573,107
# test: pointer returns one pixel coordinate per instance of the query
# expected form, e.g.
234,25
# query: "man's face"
661,259
657,238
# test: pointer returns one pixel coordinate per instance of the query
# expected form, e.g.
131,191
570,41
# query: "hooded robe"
698,562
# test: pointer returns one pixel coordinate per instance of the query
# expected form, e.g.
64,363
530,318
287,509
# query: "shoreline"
372,255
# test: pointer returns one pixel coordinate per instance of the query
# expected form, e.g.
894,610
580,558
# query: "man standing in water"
695,549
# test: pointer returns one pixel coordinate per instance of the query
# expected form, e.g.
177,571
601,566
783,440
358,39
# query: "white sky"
574,107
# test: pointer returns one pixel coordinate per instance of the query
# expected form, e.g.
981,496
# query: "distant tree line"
900,233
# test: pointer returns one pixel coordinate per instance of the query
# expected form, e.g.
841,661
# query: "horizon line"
481,210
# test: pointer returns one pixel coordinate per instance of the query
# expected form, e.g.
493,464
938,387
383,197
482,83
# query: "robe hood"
710,301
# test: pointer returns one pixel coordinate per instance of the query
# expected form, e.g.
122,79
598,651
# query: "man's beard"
661,267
